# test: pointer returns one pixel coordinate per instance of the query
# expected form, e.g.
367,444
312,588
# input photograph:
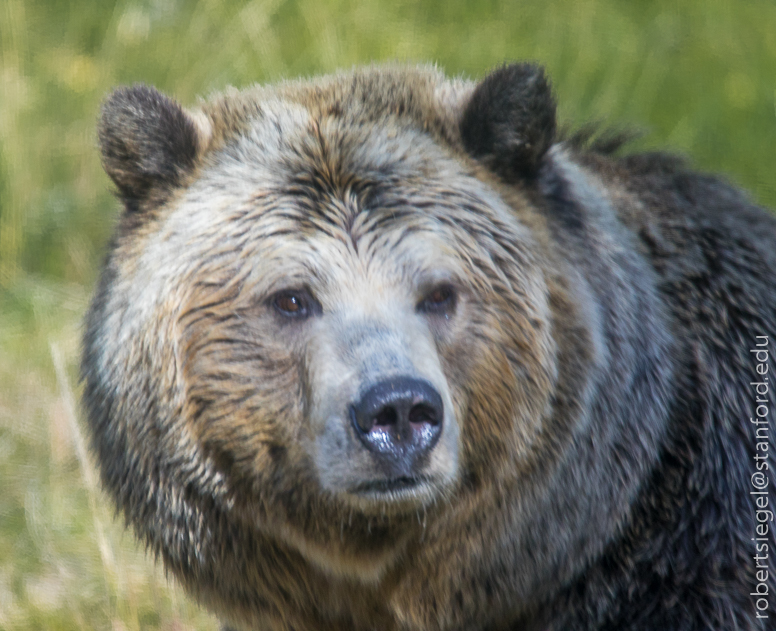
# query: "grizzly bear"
384,351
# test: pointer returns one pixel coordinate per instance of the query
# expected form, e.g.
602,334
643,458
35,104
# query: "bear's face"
341,311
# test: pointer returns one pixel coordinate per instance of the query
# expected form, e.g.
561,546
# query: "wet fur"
597,368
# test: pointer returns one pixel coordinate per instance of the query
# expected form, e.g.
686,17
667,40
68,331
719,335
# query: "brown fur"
577,363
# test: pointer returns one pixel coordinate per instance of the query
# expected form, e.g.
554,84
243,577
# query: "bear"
386,350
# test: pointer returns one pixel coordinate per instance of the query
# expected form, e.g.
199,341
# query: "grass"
698,76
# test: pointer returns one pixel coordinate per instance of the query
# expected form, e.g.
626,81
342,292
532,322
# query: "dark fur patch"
148,143
509,122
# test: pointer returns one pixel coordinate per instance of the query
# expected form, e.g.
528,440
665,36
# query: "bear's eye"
440,300
295,304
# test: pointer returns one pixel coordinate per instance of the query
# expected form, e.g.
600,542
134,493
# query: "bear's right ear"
509,122
148,144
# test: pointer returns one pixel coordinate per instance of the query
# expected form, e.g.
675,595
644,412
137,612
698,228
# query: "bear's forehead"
293,186
285,145
311,170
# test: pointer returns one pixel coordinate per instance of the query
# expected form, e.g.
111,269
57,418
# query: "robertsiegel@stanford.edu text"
760,478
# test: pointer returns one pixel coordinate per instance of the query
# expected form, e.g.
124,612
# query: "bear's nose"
399,420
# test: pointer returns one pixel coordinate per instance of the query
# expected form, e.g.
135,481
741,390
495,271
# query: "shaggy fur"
586,323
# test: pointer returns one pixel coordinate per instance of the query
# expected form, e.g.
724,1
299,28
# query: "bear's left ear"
509,122
149,144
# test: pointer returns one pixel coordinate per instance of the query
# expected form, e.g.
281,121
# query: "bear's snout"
383,427
399,420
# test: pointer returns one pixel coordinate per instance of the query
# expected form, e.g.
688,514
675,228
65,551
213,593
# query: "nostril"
386,416
383,418
423,413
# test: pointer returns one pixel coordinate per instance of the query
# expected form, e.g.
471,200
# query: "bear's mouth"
390,485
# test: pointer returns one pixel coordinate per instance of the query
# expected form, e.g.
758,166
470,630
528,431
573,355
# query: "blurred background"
698,77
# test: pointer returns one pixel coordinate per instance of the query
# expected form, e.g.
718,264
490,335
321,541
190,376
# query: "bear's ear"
509,122
148,143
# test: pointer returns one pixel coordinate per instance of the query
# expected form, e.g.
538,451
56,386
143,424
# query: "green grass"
698,76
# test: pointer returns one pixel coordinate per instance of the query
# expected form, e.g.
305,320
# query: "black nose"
400,420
